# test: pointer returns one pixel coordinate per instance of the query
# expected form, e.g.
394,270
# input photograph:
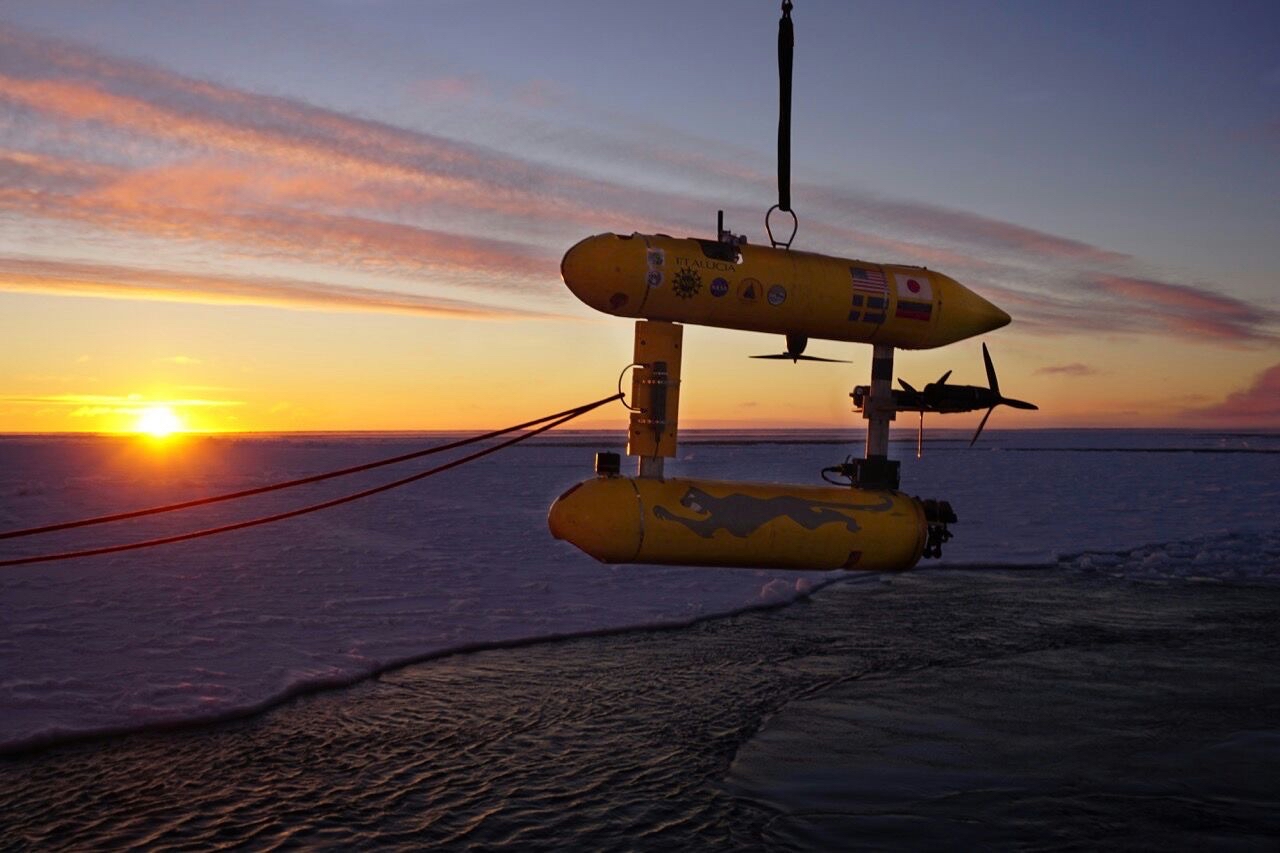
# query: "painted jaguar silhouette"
741,515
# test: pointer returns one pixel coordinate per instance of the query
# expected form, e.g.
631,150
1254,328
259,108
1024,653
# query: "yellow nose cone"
601,517
607,272
964,314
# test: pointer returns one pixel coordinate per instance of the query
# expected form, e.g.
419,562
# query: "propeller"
1001,400
795,350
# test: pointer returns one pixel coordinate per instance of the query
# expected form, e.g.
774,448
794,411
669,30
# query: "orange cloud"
113,402
1073,369
98,280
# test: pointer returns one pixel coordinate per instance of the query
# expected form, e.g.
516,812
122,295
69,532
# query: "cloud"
1186,311
539,94
1074,369
434,90
1258,405
103,404
144,154
965,226
100,280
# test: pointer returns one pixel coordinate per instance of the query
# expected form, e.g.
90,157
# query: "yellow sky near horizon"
447,374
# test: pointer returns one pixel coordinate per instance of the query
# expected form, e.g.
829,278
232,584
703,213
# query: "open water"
944,709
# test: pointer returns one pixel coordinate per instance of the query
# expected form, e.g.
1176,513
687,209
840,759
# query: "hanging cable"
254,522
315,478
786,52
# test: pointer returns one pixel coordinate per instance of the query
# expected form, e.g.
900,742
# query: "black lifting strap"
786,48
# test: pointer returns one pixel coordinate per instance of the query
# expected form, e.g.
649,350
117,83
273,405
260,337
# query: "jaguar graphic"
741,515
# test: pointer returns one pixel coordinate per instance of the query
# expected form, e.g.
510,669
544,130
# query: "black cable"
315,478
786,50
253,522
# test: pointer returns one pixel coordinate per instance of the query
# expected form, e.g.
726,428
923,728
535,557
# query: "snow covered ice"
233,623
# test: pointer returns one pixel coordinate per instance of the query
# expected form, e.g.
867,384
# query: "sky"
349,214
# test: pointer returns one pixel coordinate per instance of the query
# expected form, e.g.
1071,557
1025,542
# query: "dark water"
934,710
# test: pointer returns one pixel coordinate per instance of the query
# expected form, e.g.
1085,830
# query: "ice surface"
233,623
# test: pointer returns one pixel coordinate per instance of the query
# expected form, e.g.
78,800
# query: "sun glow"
158,421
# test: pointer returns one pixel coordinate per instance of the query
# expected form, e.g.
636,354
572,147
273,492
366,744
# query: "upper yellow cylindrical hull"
762,289
753,525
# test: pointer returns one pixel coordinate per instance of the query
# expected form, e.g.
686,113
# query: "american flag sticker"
869,281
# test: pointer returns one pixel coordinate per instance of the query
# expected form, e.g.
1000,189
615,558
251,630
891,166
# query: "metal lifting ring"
795,225
623,397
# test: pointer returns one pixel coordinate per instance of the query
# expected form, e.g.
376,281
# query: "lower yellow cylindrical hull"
751,525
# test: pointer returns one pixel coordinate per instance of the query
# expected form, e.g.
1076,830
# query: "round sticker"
719,287
686,283
777,295
913,285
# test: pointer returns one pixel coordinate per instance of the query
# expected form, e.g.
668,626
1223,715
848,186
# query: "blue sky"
1105,172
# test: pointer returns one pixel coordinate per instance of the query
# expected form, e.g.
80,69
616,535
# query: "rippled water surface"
1047,709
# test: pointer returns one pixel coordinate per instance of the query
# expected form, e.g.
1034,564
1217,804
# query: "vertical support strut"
655,394
879,412
876,471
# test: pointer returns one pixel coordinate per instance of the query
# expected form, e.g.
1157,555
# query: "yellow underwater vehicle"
862,520
649,518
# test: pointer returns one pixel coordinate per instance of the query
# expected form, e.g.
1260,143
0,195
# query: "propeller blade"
920,437
1018,404
992,382
816,358
943,380
795,356
981,425
907,386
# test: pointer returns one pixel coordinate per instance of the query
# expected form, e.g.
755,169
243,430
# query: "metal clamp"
795,226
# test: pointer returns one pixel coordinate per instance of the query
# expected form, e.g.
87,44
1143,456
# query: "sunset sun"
158,421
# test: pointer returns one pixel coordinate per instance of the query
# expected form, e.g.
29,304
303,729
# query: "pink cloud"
966,226
434,90
539,94
1255,406
162,156
1187,311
